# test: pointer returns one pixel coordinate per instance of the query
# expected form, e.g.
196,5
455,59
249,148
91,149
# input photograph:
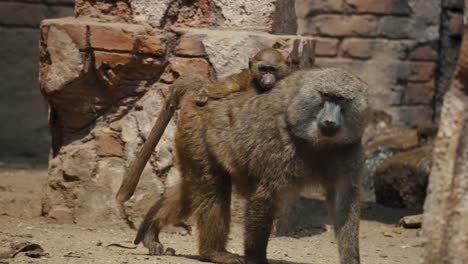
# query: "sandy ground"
20,195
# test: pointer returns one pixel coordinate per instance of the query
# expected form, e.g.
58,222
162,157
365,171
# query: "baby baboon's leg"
258,223
214,202
172,209
344,208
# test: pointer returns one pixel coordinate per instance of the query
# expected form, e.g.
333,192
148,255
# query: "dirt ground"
20,198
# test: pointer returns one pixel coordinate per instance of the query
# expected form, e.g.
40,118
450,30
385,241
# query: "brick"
109,37
190,45
108,143
307,7
184,66
455,24
419,93
111,59
150,44
77,33
421,71
453,4
357,48
343,26
396,7
326,47
415,116
424,53
396,27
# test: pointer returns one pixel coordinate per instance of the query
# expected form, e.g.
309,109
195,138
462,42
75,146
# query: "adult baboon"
266,68
305,131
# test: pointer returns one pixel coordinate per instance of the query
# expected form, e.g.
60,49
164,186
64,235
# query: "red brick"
357,48
424,53
326,47
398,7
77,33
455,24
150,44
190,45
453,3
419,93
111,38
306,7
343,26
184,66
421,71
111,59
108,143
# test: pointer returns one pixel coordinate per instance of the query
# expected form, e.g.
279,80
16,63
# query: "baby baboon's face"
329,108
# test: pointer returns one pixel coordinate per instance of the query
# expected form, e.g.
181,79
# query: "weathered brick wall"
23,112
106,72
403,48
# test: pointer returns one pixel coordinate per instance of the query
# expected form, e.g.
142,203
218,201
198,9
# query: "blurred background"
24,137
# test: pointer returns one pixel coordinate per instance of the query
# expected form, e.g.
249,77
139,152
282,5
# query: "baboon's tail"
178,89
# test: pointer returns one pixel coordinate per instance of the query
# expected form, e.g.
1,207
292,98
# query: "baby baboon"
266,68
305,131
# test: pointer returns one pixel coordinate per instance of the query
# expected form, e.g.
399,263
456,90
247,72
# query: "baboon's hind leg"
172,209
214,215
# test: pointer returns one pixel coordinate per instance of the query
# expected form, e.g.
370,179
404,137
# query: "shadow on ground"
314,216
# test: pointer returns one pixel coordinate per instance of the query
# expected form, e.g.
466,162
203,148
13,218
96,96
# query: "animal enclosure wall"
106,71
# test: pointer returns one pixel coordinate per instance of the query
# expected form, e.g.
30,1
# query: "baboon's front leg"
258,223
344,209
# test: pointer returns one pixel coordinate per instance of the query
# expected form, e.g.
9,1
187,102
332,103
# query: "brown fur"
266,146
253,80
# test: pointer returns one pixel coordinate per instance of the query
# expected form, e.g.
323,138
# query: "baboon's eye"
333,98
267,68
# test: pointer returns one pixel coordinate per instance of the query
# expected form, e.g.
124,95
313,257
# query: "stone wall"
23,111
404,49
106,72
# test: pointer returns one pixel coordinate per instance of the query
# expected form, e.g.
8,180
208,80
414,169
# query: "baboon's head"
268,66
329,108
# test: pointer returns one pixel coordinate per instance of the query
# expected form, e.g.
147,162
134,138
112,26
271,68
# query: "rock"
230,55
412,221
185,66
110,173
66,63
61,214
401,180
79,162
275,16
394,138
445,209
108,143
147,11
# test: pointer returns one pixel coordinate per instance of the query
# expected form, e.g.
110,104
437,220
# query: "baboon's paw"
226,258
154,248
